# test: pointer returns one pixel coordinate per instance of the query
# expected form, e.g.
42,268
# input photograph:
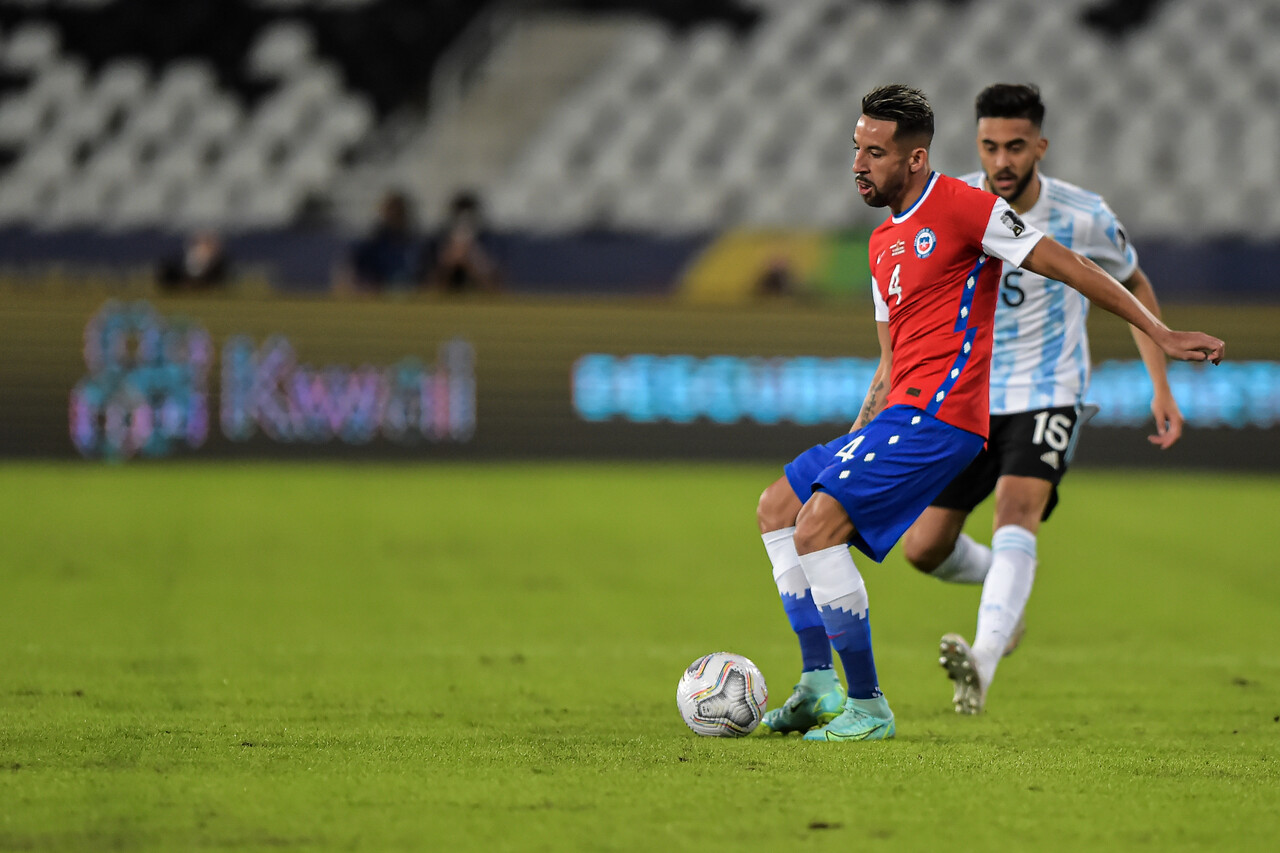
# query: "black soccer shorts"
1036,444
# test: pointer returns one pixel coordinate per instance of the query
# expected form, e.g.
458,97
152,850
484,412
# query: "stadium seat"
208,205
78,203
21,118
143,204
218,117
272,206
31,46
19,195
122,81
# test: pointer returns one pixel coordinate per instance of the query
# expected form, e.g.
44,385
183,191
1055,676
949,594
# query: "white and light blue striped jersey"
1040,358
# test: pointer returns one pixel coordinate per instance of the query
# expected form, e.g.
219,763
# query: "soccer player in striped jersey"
1039,373
935,282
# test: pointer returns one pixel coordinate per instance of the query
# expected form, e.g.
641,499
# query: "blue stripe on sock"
1015,540
850,634
815,648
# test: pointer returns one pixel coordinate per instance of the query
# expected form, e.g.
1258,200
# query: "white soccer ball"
722,695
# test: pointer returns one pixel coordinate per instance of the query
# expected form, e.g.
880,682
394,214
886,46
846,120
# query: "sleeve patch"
1014,223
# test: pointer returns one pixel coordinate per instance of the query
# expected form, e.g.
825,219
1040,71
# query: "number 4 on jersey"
847,452
895,287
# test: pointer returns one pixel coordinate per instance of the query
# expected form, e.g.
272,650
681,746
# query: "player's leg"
879,480
1034,449
818,696
1020,505
776,517
823,532
936,543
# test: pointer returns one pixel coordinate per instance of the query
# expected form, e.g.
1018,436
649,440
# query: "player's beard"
1018,188
879,197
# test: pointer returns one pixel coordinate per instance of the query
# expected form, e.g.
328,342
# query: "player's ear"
919,159
1042,145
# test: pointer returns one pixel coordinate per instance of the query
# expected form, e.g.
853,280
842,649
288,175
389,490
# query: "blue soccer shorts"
886,473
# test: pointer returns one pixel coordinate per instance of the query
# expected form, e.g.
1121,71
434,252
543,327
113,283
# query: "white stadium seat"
144,204
78,203
281,49
30,46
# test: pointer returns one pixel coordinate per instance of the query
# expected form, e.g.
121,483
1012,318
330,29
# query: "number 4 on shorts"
846,453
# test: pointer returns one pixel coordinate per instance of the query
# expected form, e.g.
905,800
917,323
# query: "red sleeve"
970,212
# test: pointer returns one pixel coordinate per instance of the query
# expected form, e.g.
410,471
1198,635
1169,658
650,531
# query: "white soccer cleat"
962,667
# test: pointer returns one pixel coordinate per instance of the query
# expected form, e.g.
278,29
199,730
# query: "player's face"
1009,149
881,164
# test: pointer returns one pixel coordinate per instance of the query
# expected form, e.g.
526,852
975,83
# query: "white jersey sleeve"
1007,236
1108,246
882,307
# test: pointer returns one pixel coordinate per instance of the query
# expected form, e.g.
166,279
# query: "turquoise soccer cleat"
863,719
803,710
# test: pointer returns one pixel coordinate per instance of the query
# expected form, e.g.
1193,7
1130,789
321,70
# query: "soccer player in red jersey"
934,284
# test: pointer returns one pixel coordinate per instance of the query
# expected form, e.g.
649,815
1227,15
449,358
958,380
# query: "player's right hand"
1192,346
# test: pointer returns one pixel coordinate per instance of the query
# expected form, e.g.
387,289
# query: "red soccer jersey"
936,286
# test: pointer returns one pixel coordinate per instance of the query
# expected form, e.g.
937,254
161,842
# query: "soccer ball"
722,695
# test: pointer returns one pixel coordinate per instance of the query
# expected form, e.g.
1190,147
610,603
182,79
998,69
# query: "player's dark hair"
904,105
1009,100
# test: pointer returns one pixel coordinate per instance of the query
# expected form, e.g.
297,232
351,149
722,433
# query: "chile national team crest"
926,240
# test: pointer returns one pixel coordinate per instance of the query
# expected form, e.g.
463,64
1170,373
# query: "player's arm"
1163,406
878,392
1052,260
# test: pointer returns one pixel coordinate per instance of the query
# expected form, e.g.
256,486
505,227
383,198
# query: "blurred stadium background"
650,174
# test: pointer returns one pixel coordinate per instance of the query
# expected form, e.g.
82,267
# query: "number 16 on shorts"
1053,429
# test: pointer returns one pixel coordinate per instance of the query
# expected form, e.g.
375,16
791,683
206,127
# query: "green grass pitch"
328,657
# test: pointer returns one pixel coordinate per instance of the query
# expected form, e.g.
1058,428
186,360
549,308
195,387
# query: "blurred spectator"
390,257
202,265
461,259
777,278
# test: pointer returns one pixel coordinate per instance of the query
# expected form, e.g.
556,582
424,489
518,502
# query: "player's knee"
821,524
924,552
764,513
808,537
776,508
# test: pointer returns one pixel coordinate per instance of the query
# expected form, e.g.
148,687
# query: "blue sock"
850,633
815,648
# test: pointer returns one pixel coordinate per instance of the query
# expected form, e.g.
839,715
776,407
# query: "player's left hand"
1192,346
1168,421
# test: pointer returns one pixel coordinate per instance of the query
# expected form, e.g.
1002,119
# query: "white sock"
781,547
1004,594
788,574
835,580
968,562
